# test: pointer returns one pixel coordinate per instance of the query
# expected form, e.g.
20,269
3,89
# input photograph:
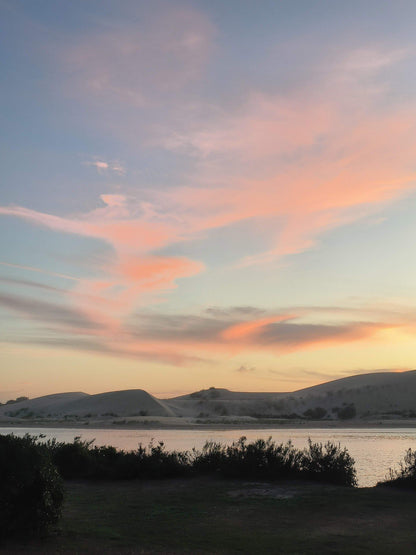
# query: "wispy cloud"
284,331
184,339
245,369
44,311
295,166
107,167
38,270
134,271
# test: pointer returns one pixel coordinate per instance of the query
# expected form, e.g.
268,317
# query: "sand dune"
48,404
381,393
131,402
384,393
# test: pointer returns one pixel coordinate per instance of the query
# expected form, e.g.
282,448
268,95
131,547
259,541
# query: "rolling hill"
381,394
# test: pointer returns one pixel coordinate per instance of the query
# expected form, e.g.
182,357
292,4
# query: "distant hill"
391,394
132,402
381,394
48,404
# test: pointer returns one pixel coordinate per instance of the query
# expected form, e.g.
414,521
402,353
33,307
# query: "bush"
405,477
348,412
329,463
315,414
31,490
264,459
79,460
261,459
73,460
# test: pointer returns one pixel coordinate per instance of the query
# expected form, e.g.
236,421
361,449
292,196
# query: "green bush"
31,490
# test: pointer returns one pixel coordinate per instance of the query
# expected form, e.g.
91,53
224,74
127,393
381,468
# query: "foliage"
264,459
405,476
260,459
73,460
315,414
329,463
18,400
31,490
347,412
80,460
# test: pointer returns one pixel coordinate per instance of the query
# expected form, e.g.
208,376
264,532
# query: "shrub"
347,412
329,463
315,414
261,459
405,477
73,460
79,460
264,459
31,490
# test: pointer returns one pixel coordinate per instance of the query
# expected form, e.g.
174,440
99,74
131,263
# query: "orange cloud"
298,165
247,330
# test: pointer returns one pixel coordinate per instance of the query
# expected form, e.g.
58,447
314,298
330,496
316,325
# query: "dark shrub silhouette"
261,459
73,460
405,476
315,414
329,463
264,459
31,490
79,460
347,412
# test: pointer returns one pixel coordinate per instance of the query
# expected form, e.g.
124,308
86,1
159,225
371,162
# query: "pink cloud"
343,168
133,272
309,162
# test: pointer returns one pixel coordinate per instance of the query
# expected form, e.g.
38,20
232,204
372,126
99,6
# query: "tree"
347,412
315,414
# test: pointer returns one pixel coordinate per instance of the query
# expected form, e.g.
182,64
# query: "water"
374,450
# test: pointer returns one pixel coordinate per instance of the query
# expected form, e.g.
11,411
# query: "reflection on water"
374,450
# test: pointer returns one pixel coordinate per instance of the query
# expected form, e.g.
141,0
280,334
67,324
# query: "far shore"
145,423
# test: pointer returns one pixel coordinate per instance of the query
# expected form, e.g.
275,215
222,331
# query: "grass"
216,516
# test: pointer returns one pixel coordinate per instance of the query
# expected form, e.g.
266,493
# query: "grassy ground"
213,516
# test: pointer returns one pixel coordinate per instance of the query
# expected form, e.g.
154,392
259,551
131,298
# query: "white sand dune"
388,393
131,402
382,393
48,404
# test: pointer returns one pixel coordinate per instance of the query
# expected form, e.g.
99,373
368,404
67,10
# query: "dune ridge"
391,394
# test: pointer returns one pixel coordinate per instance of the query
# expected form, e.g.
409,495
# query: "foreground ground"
204,515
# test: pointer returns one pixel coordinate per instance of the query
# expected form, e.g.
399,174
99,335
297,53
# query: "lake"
374,450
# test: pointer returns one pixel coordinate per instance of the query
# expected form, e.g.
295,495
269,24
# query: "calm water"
374,450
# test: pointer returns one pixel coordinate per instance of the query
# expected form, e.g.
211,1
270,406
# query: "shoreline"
156,424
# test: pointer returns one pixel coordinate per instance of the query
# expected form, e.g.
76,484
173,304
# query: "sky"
205,193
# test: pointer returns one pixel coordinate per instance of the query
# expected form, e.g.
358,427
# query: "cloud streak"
103,167
293,166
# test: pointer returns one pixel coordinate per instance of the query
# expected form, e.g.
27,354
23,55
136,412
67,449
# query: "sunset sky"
205,193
